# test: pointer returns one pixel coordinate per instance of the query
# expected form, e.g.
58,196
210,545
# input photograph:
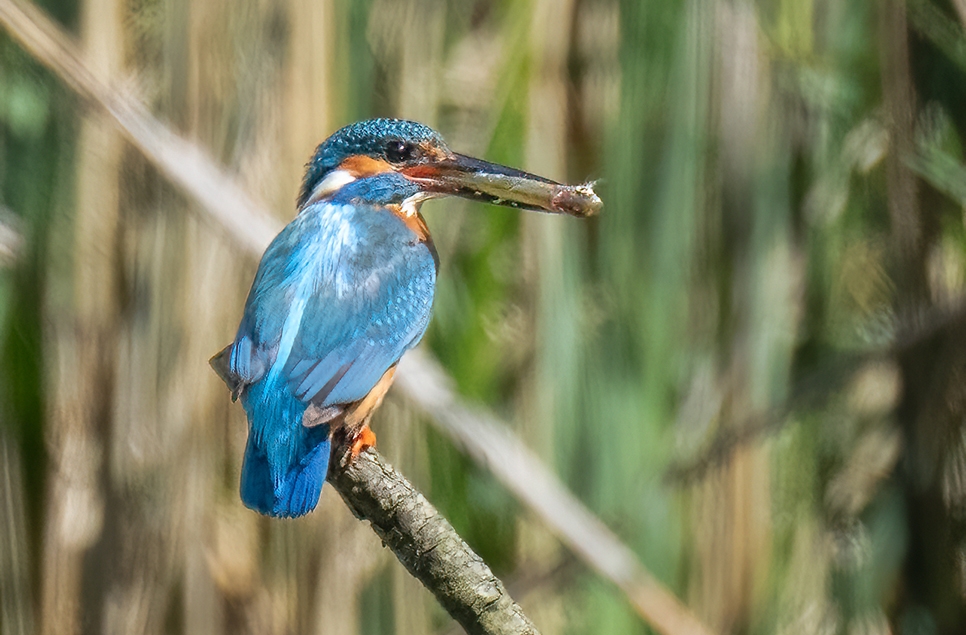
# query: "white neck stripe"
333,181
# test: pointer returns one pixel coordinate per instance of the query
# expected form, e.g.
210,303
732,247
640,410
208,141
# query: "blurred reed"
782,242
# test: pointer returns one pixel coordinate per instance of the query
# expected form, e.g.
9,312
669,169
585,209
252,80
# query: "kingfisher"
344,290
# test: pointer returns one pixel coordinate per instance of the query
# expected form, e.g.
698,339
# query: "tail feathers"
289,490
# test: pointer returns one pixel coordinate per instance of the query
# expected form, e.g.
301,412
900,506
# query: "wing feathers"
336,313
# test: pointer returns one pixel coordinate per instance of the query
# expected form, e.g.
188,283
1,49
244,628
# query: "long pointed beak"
460,175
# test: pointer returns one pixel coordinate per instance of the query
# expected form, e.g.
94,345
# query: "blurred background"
751,366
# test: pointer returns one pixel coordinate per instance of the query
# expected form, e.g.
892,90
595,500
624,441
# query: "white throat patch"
410,207
332,182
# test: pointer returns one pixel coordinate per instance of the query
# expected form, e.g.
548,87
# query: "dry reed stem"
491,444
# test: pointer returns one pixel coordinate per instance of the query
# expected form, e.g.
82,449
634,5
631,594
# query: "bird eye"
399,151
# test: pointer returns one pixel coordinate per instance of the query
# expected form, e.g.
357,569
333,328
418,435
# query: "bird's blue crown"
395,141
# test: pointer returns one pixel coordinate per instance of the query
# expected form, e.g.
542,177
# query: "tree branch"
428,546
491,444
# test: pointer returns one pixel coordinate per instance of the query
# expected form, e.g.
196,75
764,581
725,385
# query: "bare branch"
428,546
491,444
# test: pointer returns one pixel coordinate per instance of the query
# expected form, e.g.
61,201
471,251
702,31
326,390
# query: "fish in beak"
460,175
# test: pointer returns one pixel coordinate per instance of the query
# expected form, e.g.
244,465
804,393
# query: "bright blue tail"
285,463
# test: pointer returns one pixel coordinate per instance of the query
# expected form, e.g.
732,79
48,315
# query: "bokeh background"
751,366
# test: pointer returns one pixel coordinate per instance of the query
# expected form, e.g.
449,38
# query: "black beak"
460,175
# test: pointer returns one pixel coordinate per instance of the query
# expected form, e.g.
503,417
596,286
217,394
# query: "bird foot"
350,443
364,440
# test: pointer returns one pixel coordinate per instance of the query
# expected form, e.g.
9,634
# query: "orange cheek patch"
361,166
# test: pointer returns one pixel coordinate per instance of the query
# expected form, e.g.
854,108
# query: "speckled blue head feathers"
395,141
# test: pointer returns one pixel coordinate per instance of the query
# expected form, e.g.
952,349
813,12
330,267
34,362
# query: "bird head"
379,148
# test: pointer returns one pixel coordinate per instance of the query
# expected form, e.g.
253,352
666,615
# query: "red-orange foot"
365,439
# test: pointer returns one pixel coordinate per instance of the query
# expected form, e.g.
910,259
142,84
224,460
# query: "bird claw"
362,441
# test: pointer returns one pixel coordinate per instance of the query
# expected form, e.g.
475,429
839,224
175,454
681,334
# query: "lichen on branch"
428,546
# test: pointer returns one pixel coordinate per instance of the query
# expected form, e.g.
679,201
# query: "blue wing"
339,296
351,315
338,358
